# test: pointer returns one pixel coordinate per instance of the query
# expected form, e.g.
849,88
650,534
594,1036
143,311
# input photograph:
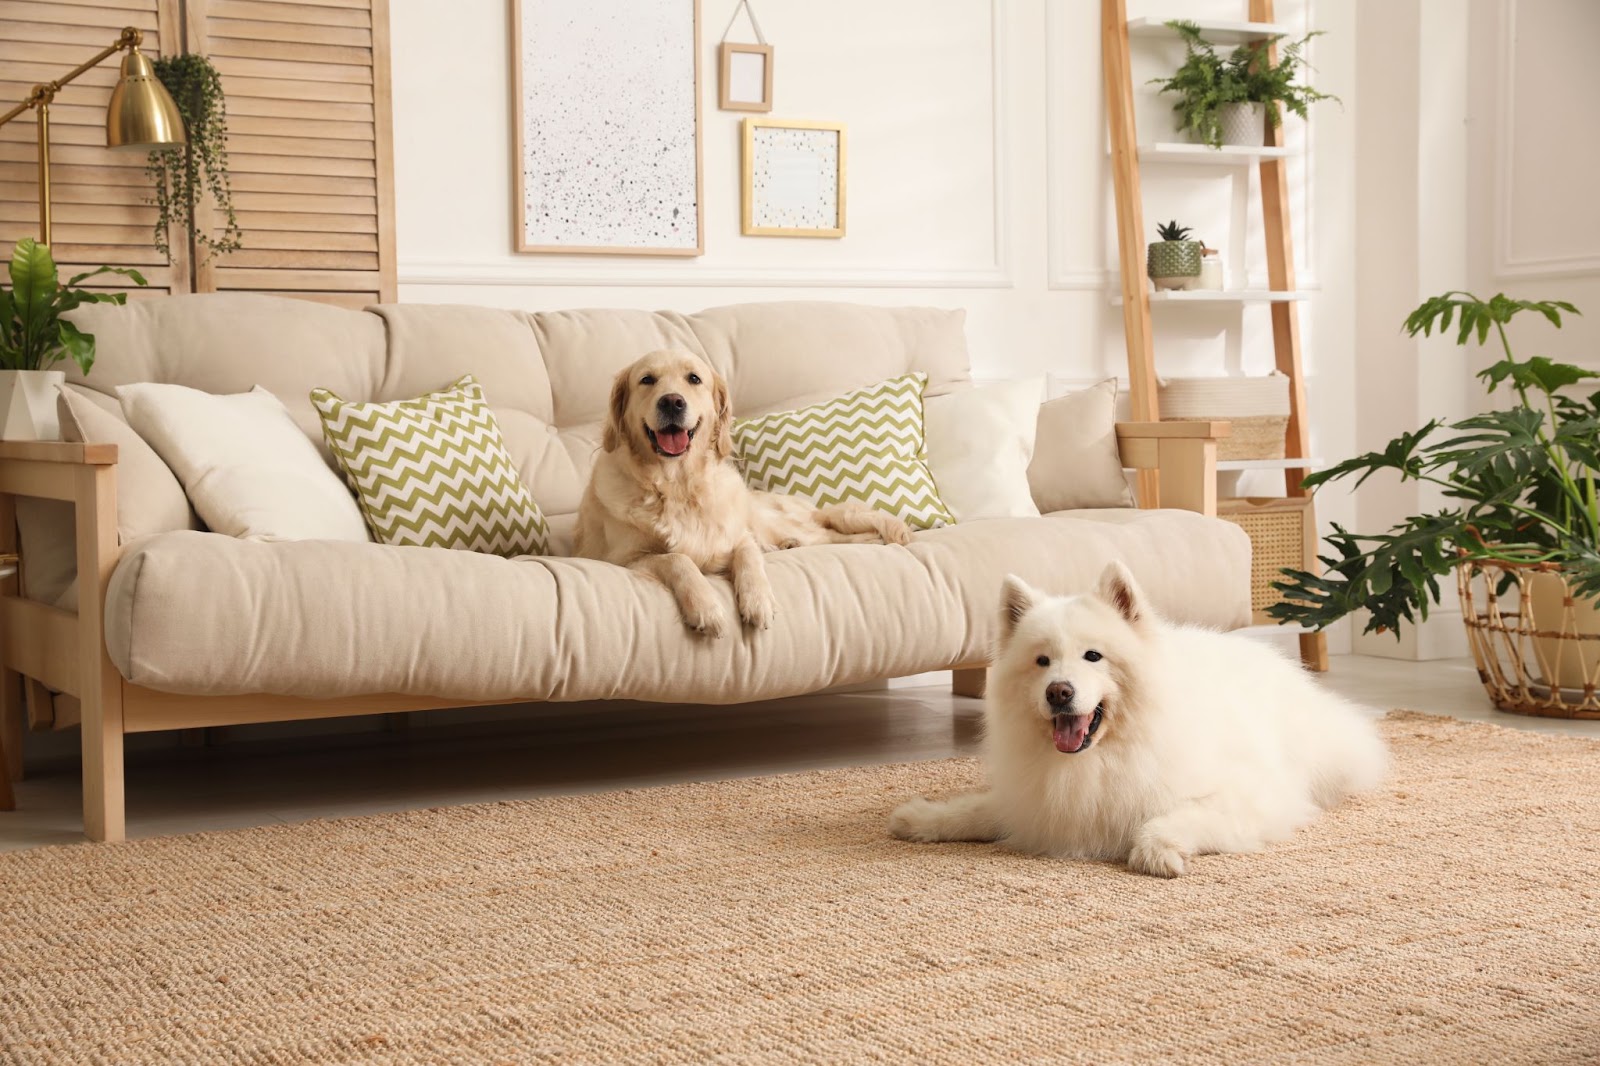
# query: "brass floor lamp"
141,114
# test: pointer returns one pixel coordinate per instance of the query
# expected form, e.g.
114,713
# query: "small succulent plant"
1171,231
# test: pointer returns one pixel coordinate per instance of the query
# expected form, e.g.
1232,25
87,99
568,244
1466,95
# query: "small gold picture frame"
744,80
793,181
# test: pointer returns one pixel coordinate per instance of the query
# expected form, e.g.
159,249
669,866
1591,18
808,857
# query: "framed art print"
607,100
744,77
794,179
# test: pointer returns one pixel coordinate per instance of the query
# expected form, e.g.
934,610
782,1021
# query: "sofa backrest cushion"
546,374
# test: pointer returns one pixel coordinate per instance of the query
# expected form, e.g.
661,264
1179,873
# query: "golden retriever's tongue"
672,441
1070,730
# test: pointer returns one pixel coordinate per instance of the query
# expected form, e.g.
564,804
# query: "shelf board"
1219,296
1265,464
1227,155
1217,32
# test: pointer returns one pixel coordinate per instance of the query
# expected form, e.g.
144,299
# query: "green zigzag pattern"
434,471
866,446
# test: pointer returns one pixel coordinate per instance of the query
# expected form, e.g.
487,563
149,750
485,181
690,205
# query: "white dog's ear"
723,440
1016,600
617,411
1120,590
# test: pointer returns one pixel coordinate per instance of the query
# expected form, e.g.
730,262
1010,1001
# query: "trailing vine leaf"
182,173
1523,476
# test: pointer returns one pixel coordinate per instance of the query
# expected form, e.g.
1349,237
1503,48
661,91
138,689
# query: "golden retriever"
664,500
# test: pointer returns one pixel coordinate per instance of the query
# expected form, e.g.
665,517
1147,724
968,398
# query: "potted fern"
1173,262
1521,507
1234,99
35,337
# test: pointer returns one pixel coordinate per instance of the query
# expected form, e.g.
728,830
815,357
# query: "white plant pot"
1573,662
1243,124
28,404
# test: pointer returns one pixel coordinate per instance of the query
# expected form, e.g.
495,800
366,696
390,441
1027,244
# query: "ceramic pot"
28,404
1172,264
1572,661
1243,123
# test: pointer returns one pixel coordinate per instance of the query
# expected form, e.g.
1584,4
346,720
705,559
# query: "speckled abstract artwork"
609,159
794,178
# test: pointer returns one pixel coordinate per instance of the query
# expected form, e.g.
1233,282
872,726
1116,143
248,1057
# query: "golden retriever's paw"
707,619
757,608
917,820
894,531
1156,858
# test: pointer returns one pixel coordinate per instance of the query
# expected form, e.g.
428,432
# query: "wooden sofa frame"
41,645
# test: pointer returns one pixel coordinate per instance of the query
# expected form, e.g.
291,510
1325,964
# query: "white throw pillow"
244,464
980,441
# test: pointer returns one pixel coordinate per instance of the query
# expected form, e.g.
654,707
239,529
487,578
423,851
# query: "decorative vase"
1243,123
1171,264
28,404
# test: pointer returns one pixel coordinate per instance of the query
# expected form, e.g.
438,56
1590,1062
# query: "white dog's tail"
1352,758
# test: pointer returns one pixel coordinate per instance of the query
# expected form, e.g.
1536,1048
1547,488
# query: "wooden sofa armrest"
1183,457
64,651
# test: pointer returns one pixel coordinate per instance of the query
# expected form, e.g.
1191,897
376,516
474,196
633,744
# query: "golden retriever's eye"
1043,660
648,379
1092,656
694,379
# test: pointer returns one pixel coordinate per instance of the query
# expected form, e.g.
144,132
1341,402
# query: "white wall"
978,178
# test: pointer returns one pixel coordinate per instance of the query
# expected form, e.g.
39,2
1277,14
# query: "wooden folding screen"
310,148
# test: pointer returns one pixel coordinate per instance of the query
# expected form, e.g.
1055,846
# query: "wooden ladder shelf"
1130,247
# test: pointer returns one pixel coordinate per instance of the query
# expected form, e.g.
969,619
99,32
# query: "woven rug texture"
1452,917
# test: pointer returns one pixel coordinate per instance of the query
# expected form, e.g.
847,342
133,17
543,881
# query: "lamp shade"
141,113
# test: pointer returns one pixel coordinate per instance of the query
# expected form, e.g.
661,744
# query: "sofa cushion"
980,441
244,463
433,471
1076,462
199,613
867,446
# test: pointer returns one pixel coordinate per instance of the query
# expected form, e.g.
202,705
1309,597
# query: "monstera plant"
1519,482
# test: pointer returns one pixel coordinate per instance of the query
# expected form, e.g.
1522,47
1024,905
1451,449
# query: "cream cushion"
150,498
980,441
323,618
1076,462
247,467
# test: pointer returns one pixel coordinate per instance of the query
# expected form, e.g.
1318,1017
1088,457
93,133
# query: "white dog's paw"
917,820
1157,858
708,618
757,607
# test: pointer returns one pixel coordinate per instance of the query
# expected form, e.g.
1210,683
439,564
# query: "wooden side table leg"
1314,651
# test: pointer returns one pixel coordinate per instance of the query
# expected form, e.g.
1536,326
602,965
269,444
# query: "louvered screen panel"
309,145
100,214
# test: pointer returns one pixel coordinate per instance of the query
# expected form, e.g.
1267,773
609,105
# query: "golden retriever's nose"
672,405
1058,694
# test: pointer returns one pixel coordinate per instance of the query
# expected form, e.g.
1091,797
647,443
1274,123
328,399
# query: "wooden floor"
259,775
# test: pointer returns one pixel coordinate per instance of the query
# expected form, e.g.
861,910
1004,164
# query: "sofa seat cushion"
199,613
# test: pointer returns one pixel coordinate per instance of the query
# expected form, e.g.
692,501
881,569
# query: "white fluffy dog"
1112,734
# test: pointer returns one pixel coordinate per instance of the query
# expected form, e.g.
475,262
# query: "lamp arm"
131,37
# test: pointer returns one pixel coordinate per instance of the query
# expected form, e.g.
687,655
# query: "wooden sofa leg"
13,715
969,682
100,700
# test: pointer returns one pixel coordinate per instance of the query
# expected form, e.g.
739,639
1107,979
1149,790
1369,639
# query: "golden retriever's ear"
616,431
724,425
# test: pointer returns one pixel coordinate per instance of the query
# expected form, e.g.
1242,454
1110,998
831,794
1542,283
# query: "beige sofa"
185,628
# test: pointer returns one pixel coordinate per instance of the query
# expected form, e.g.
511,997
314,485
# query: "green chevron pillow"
866,446
434,471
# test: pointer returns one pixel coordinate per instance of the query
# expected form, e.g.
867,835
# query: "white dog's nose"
1058,694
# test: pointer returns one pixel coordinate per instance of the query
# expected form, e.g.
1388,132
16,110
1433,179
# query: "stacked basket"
1257,407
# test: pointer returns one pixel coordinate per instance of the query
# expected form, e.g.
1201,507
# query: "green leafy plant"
183,172
1171,231
1207,80
33,335
1521,481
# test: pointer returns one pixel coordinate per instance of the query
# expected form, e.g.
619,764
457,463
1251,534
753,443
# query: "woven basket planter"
1257,407
1536,645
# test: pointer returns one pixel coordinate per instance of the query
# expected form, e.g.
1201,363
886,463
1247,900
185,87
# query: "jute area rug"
1453,917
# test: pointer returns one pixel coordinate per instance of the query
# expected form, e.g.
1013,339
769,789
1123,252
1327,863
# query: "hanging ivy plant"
181,173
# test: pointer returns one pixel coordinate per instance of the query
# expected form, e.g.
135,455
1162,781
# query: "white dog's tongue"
672,441
1070,730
